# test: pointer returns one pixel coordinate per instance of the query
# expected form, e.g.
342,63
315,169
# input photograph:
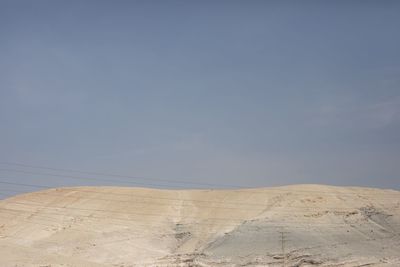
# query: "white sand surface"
123,226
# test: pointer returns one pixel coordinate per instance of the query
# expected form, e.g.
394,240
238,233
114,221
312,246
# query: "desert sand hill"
303,225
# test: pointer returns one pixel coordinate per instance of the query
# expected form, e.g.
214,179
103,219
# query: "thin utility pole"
283,241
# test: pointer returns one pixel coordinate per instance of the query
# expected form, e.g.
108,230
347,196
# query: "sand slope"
302,225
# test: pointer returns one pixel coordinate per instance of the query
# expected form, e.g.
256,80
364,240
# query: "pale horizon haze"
244,93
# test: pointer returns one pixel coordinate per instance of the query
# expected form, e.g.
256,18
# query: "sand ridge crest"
123,226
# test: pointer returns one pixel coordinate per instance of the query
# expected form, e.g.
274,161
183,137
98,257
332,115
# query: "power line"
132,194
134,177
27,185
119,175
141,196
87,178
250,190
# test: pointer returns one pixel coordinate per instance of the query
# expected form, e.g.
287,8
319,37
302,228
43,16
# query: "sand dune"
302,225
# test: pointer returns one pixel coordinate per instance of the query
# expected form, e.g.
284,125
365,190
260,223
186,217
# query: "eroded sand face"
116,226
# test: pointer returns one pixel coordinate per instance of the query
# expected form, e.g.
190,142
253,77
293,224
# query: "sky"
232,93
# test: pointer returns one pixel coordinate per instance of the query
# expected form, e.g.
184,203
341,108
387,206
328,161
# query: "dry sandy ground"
302,225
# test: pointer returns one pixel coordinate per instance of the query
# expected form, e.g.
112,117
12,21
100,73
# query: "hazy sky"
251,93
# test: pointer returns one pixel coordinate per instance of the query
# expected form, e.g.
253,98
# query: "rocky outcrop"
303,225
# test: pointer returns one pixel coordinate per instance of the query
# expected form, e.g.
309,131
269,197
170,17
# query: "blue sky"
250,93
